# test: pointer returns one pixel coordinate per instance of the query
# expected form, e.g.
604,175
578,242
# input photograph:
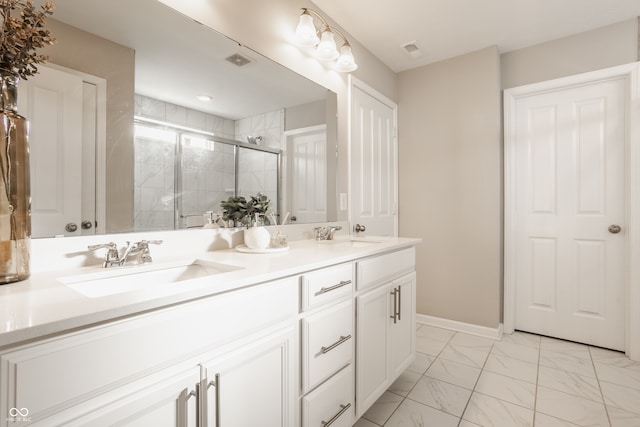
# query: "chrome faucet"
113,258
326,233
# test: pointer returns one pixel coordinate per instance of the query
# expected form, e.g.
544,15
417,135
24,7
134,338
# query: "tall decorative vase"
15,191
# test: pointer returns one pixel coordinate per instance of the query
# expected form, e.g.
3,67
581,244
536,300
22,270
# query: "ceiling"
447,28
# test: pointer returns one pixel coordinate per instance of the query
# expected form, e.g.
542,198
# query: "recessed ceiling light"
204,98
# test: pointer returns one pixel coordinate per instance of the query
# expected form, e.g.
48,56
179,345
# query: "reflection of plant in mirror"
21,35
240,210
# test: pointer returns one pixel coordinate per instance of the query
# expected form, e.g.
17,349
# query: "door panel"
570,186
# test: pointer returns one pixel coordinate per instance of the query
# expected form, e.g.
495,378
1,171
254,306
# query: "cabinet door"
253,386
402,341
163,400
372,377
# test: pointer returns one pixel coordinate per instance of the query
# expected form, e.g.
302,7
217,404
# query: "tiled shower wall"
208,176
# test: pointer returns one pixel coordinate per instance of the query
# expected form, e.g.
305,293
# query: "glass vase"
15,191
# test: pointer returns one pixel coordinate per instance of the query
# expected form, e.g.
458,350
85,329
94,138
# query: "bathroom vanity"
308,337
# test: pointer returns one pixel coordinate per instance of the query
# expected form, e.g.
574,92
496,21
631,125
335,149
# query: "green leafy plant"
23,32
239,209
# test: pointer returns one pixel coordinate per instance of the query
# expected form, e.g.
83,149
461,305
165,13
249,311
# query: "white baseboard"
467,328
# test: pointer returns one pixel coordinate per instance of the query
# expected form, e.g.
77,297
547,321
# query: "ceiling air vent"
239,60
411,49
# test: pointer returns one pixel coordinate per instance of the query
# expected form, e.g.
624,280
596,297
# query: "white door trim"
631,73
355,82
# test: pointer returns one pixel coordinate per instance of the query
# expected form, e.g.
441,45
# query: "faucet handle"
143,245
110,246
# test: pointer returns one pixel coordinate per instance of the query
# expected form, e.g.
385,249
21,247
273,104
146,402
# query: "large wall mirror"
144,119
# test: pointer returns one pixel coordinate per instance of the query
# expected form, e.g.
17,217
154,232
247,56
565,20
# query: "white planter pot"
257,237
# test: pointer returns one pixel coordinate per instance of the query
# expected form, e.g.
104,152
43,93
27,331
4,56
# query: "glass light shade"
346,62
327,50
306,34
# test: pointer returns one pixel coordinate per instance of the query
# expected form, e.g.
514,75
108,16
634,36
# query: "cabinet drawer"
328,284
54,374
333,400
384,268
327,343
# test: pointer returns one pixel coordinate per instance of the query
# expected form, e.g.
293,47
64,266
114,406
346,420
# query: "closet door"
568,209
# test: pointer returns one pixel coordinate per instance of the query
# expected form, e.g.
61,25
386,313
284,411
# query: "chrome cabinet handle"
204,386
334,287
395,305
343,409
343,338
216,383
183,402
399,302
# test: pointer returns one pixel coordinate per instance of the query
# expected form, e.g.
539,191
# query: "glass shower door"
205,177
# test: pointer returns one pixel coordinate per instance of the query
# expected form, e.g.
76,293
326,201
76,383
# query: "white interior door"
52,102
568,147
307,153
373,161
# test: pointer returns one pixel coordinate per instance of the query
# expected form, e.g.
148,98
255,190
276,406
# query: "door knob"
86,225
358,228
71,227
614,229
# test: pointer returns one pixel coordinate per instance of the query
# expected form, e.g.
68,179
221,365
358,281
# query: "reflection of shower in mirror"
254,139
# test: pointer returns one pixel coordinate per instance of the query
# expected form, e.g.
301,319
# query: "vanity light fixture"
323,39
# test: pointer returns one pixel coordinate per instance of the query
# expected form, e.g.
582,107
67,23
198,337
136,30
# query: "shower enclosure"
182,173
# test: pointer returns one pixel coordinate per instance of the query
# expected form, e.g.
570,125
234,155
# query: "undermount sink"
135,278
354,243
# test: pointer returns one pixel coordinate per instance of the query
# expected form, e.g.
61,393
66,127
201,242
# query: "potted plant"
249,213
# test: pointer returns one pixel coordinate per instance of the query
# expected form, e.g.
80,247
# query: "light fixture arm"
325,25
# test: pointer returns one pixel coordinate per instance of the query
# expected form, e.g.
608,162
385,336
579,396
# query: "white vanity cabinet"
160,368
327,347
385,331
315,345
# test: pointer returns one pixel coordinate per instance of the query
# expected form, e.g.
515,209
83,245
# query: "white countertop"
43,305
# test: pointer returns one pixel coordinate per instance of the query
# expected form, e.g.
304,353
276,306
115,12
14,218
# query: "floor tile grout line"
474,386
604,402
535,393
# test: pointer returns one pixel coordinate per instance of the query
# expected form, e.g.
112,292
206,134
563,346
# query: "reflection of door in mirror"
307,152
64,115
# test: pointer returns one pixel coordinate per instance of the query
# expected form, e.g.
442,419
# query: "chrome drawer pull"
183,409
331,288
343,409
342,339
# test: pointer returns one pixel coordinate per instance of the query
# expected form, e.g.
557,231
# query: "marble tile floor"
460,380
